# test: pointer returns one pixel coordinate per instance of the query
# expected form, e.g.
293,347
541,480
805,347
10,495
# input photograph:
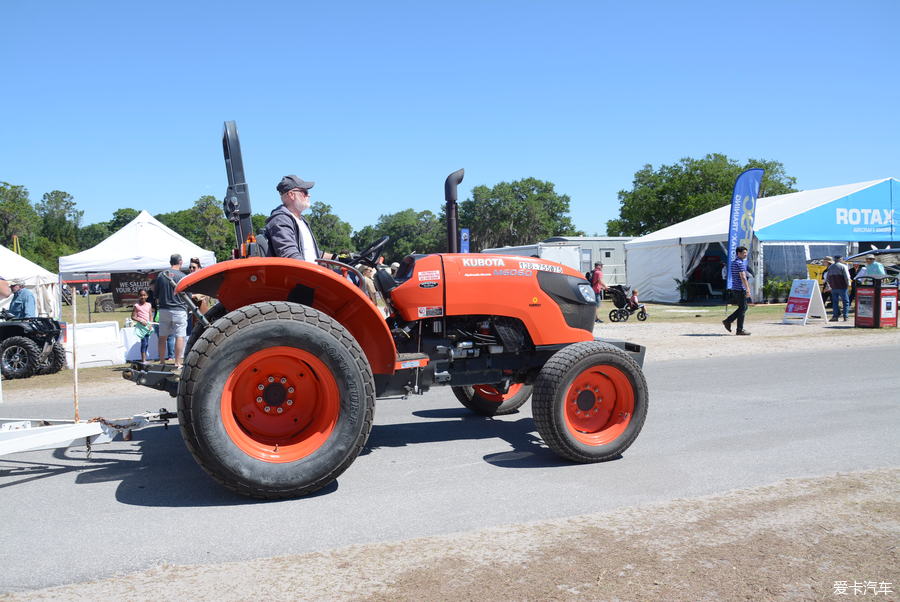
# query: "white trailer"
610,250
564,253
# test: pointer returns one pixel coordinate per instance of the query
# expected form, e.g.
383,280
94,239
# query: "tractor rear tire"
18,357
590,402
488,401
54,362
275,400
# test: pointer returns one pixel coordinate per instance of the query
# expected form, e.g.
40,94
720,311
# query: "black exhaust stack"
237,198
450,185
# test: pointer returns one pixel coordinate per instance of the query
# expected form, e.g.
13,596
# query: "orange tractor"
280,377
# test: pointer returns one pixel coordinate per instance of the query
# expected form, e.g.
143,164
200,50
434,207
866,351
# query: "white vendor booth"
44,284
143,245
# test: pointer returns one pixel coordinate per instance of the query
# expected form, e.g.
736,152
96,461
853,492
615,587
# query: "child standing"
141,315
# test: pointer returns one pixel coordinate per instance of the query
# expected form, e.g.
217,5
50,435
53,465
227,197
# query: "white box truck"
564,253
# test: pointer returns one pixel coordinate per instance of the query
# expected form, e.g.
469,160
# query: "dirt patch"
795,540
674,340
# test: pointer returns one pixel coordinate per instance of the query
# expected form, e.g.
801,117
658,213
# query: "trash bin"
876,302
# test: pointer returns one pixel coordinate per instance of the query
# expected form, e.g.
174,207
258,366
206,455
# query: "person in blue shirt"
873,267
23,304
740,291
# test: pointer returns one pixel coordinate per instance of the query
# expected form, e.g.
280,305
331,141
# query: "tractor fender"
239,282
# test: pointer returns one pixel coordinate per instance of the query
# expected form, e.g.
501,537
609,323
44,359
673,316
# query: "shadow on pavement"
459,424
155,469
706,334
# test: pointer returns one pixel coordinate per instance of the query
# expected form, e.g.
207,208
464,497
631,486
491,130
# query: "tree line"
513,213
509,213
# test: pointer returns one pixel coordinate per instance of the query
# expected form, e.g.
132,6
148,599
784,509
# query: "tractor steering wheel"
369,255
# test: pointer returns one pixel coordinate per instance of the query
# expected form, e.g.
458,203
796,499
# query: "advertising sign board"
804,302
125,285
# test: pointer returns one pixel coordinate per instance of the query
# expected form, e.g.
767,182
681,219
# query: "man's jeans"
739,298
839,294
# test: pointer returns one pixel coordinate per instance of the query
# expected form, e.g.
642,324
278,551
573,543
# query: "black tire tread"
217,335
546,388
55,360
474,402
31,348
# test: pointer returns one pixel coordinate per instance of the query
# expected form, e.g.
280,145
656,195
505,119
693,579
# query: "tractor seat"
385,283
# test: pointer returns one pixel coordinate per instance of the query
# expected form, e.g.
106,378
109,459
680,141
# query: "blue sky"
122,104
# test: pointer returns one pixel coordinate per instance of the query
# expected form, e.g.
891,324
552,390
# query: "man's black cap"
290,182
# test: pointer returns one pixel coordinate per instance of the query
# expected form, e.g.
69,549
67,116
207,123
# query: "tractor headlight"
587,292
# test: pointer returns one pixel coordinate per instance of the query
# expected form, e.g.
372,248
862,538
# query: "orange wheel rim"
490,393
599,405
280,404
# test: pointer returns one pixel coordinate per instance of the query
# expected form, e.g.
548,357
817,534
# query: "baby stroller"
626,304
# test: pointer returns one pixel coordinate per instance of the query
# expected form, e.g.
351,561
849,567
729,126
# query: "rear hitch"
161,377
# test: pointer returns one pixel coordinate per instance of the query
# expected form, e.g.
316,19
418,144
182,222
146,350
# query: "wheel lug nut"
259,400
290,389
268,409
283,380
260,387
271,379
279,410
290,402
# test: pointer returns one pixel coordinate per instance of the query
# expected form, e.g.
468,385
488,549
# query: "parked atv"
280,378
29,346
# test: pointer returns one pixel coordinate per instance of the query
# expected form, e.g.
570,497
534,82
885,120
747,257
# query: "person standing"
288,232
172,313
873,267
838,278
23,304
739,291
599,286
140,313
827,261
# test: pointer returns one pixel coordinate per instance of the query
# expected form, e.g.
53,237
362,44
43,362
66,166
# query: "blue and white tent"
790,229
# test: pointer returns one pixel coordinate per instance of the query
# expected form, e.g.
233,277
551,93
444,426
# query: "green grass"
119,315
700,314
64,378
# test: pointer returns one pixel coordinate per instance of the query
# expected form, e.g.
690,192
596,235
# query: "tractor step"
406,361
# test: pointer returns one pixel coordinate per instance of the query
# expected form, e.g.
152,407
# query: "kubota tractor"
280,377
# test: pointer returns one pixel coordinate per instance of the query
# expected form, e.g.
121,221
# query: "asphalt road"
431,467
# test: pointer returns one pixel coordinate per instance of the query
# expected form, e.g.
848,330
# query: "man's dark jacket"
283,235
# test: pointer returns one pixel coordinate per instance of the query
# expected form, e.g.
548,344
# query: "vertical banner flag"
464,240
743,211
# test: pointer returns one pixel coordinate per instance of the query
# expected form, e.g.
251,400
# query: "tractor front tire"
19,357
54,362
488,401
590,401
275,400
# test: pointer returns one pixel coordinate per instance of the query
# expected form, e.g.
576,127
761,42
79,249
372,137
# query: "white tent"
142,244
44,284
817,222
